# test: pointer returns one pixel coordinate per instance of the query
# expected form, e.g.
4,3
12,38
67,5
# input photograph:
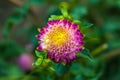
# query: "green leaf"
53,17
64,7
39,54
61,17
77,22
61,68
38,61
85,54
76,68
86,25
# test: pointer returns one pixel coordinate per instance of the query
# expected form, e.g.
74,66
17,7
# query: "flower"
61,39
25,61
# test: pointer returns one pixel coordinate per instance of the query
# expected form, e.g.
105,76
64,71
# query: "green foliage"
8,47
79,11
99,20
38,61
55,17
14,19
60,68
85,54
86,25
40,56
36,2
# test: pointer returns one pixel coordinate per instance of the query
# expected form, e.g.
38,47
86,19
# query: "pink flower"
61,39
25,61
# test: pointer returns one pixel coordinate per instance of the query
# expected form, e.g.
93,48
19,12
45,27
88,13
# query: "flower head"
25,61
61,39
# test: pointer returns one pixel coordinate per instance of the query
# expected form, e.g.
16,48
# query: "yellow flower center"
57,37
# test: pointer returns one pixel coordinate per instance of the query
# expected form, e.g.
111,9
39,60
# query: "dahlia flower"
61,39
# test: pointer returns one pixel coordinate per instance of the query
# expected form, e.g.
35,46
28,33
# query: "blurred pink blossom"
25,61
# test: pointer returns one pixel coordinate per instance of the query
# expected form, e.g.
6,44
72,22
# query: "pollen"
58,36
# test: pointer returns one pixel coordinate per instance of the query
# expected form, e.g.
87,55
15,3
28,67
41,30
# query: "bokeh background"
19,20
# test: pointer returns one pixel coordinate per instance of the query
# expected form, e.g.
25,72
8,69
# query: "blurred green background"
19,20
